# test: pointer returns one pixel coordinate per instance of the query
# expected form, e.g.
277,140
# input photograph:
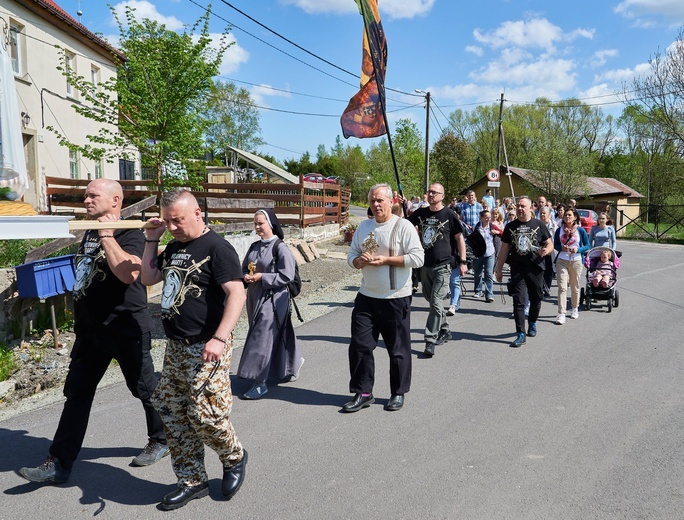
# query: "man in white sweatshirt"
386,248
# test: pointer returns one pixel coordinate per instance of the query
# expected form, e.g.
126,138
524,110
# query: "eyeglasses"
433,192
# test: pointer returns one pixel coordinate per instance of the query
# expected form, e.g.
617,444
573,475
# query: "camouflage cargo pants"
194,400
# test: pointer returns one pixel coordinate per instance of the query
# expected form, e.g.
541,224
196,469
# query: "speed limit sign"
493,175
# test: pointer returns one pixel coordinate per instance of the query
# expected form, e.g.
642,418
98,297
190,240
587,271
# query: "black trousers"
371,318
90,357
526,284
548,271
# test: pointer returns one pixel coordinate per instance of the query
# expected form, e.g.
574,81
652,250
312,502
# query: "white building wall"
39,74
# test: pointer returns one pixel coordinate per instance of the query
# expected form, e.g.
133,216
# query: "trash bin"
45,278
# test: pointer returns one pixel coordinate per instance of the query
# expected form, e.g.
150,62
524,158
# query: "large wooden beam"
79,227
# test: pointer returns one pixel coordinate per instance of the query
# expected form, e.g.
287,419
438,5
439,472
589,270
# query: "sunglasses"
433,192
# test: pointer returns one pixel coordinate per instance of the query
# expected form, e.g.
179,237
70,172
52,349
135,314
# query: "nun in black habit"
271,349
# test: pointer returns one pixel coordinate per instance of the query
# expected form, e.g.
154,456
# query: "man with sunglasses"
440,234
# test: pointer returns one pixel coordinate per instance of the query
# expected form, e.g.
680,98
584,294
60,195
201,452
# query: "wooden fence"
303,204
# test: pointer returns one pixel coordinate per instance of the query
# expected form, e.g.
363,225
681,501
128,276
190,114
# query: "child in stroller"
602,273
602,264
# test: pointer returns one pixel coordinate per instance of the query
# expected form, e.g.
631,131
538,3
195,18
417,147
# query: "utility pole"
498,145
427,141
427,137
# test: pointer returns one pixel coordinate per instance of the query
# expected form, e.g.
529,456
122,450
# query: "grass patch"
13,252
7,362
647,232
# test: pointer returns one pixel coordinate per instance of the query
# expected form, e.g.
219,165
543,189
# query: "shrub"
7,362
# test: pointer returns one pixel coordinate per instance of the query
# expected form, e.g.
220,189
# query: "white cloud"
617,76
395,9
545,74
145,9
600,58
476,50
398,9
601,94
646,13
259,93
234,55
537,33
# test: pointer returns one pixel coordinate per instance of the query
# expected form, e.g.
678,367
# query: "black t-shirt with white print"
525,238
102,302
436,230
193,300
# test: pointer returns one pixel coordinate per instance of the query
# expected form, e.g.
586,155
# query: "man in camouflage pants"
202,298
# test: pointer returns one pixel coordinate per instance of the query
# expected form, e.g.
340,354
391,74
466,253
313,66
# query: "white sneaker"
574,314
560,319
451,311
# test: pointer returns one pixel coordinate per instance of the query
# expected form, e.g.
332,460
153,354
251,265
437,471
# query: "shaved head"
109,186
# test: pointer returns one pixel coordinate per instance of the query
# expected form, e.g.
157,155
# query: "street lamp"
427,137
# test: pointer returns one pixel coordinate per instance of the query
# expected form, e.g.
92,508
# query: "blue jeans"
455,287
484,267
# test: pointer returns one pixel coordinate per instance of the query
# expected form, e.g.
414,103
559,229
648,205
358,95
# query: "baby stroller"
606,291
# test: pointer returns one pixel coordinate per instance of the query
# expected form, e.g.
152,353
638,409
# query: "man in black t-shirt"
439,229
202,298
524,244
111,322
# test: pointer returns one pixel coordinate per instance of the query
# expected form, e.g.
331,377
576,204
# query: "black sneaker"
429,349
519,340
49,471
151,453
443,337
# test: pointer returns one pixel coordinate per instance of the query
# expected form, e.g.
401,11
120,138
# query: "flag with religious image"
364,116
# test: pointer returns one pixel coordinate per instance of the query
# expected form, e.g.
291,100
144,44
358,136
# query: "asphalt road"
585,421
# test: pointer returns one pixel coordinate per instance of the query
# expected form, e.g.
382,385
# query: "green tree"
231,119
451,162
154,104
409,151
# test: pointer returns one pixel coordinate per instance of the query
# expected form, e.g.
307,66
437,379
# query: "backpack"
294,286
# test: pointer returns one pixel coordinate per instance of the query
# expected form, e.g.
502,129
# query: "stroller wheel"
616,299
582,296
610,305
588,302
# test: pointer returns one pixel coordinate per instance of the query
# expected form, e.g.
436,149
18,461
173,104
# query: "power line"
288,40
268,87
272,46
295,45
306,113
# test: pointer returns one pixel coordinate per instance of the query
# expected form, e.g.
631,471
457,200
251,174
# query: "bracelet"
151,241
219,338
106,236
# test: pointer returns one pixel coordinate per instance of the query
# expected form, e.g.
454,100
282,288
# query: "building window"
98,169
16,48
73,164
70,63
94,75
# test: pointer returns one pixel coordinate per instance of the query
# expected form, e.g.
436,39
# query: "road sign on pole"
493,175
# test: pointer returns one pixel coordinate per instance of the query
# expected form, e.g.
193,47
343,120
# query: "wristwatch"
463,262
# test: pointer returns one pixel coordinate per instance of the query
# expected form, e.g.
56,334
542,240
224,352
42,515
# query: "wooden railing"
303,204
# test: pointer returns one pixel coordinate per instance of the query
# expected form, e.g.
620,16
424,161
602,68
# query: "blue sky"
464,55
